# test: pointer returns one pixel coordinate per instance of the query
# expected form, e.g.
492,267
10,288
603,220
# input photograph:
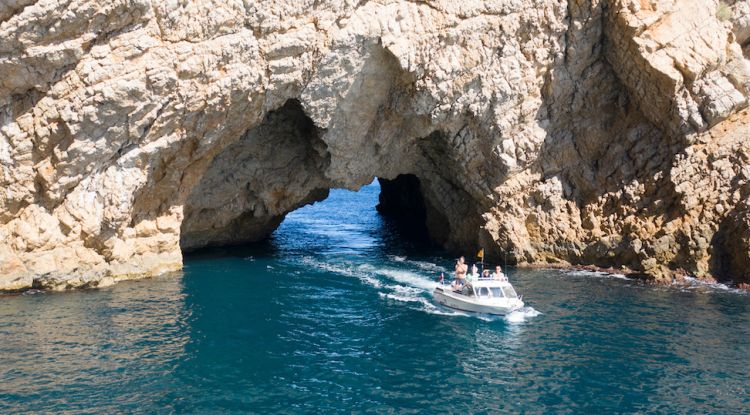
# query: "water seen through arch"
333,315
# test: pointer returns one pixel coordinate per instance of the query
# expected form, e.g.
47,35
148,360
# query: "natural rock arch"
556,133
282,164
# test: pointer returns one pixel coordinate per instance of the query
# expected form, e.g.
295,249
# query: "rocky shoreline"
680,279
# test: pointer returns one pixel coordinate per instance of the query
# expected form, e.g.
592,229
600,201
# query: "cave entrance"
336,133
280,166
379,220
366,222
249,187
402,204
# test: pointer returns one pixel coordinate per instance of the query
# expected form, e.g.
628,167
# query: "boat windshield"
509,292
497,292
483,292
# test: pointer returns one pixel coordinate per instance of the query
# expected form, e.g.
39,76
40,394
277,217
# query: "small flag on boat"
480,254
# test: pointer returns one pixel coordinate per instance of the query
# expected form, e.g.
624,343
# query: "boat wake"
519,316
423,265
410,287
408,278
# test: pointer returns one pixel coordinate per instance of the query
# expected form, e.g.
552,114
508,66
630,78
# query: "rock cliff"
608,133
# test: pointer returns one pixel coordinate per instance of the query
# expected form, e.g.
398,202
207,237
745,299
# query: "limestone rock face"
584,132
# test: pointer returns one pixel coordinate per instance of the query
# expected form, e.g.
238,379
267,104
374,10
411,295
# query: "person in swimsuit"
461,270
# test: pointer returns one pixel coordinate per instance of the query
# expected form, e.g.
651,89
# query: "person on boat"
472,276
498,274
461,269
486,274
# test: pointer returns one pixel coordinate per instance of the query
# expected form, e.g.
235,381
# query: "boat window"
497,292
483,292
509,291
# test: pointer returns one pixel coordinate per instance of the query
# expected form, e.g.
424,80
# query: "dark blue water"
333,315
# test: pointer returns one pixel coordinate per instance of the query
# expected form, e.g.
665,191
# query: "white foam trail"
347,271
371,281
520,316
408,278
405,290
429,266
426,266
366,267
431,308
403,298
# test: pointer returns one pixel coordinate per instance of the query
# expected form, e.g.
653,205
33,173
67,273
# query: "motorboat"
480,295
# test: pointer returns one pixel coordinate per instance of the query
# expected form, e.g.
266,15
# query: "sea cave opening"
386,218
278,167
402,204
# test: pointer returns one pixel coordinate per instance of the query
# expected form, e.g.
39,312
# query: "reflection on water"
334,315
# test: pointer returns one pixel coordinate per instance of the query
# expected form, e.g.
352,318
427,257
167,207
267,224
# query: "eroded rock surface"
586,132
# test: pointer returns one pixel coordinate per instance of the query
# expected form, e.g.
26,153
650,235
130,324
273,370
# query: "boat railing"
504,278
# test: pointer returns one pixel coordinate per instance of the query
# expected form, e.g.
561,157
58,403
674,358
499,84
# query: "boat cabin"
487,288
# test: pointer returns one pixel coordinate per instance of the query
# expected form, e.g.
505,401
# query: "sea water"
333,314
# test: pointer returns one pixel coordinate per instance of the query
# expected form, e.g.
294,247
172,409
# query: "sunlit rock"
603,133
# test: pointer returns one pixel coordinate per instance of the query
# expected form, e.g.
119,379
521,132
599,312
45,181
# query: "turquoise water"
333,315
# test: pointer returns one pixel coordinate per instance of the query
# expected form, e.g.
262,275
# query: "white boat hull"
445,296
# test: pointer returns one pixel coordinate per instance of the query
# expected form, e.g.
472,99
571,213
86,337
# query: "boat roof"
488,282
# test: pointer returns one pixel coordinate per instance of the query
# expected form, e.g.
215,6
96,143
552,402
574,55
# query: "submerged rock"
606,133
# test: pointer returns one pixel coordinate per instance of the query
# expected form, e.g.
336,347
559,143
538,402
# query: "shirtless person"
461,270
